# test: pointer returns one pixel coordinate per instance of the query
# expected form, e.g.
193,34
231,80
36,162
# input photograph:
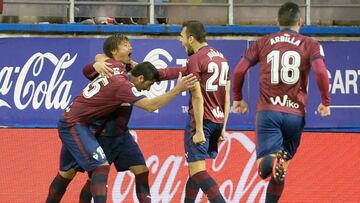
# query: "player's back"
285,61
100,97
212,70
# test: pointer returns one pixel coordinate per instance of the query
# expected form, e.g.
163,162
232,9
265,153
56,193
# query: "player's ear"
277,21
113,52
141,78
300,22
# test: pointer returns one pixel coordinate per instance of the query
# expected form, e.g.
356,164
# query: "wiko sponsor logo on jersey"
217,112
32,88
284,101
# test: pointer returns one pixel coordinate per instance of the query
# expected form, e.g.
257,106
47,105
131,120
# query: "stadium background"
41,72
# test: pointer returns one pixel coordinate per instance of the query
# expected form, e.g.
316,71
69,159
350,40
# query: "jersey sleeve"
238,79
316,51
252,54
89,71
170,73
194,67
322,80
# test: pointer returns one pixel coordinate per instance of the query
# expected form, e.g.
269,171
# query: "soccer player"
113,134
285,59
208,111
81,150
209,107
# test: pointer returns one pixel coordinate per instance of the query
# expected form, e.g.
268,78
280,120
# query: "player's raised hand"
199,137
103,68
240,107
323,110
186,82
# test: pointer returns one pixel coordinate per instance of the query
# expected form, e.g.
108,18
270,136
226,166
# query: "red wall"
325,169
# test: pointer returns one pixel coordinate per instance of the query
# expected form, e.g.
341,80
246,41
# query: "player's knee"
138,169
266,166
196,167
69,174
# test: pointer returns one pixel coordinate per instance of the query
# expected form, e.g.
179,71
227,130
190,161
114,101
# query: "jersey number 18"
286,67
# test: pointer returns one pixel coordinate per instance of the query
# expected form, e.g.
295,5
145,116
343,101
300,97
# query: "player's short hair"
146,69
288,14
196,29
112,42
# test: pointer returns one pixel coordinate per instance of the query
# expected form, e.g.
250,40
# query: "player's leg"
61,181
85,193
66,172
141,173
131,158
269,143
292,126
85,149
196,155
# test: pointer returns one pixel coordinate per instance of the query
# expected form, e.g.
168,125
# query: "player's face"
184,39
142,84
123,52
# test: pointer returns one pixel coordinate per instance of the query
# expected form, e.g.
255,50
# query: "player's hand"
103,68
323,110
223,136
240,106
133,63
199,138
186,82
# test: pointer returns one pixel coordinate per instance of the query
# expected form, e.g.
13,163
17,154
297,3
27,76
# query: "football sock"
57,189
191,191
274,190
98,185
142,187
208,186
85,194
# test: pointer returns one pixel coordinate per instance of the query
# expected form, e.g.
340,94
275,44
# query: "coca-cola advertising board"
40,76
325,168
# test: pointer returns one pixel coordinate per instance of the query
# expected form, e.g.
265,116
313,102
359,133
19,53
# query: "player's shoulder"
309,40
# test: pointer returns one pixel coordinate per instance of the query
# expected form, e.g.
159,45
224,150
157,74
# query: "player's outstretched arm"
183,83
170,73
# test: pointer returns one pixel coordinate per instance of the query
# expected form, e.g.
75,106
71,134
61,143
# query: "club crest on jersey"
285,101
116,71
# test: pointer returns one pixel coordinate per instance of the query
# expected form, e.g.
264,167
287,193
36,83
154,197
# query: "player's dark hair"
146,69
288,14
196,29
112,42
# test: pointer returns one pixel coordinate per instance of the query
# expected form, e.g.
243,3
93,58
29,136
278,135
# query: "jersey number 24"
213,67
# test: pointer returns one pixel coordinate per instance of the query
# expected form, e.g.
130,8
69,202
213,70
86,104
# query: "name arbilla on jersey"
284,101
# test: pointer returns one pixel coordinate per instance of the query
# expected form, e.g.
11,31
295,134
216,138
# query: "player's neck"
293,28
119,60
198,46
